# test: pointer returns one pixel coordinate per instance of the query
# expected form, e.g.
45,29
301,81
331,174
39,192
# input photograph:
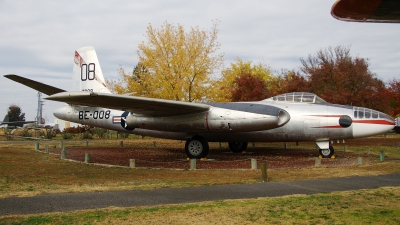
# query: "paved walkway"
81,201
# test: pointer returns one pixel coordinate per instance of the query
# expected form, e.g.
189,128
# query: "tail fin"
6,119
87,72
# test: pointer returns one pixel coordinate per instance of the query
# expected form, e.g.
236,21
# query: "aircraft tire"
327,153
237,147
196,147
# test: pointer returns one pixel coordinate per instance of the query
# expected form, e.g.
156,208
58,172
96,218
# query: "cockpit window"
385,116
298,97
367,113
360,112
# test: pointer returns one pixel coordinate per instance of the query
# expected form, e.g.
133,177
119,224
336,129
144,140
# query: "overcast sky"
38,38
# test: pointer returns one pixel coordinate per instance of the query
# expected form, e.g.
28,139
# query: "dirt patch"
174,157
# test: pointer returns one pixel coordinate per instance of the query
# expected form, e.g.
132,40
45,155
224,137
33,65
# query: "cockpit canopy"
304,97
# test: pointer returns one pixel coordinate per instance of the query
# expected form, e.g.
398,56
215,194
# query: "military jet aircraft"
291,117
6,123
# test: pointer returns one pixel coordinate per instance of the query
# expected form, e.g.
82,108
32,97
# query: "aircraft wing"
44,88
377,11
17,122
138,105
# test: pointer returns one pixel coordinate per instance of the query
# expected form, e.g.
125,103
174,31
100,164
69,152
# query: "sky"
38,38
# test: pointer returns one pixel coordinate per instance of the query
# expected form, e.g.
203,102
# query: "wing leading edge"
44,88
137,105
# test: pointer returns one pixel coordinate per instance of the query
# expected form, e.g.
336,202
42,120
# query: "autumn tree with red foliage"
340,78
291,81
249,88
394,97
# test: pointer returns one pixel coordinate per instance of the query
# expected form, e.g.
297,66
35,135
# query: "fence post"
193,164
263,166
253,164
317,161
359,161
121,143
382,156
345,148
285,146
63,153
154,144
132,163
37,146
46,149
87,158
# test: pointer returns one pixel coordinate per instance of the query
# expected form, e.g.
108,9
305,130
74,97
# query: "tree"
15,114
222,89
174,64
249,88
290,81
394,95
340,78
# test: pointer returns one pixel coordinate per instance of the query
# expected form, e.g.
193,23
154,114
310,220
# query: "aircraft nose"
369,122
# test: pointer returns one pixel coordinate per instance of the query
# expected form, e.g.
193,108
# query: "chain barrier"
95,158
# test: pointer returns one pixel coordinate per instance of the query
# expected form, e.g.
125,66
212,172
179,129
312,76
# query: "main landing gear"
237,147
197,147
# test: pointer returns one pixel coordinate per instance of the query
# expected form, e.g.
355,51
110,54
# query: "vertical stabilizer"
87,72
6,119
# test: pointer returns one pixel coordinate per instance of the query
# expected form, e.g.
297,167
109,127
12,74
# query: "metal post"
121,143
154,144
382,156
37,146
285,146
46,149
345,148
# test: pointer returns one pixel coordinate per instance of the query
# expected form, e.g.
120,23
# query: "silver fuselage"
301,122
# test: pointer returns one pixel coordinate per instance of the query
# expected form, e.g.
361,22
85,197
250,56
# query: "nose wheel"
327,153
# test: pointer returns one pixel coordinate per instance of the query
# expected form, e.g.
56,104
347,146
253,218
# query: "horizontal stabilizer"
43,88
137,105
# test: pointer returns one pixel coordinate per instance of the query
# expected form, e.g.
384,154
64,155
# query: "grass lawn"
25,172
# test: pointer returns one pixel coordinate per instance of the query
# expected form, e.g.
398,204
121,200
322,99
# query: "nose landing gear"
327,153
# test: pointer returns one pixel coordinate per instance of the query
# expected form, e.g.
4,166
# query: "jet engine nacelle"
215,120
